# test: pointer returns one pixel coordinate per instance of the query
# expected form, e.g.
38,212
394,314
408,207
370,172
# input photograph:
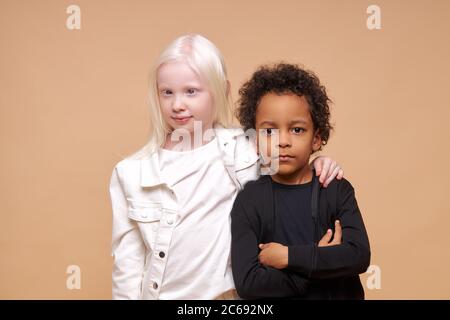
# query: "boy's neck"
301,176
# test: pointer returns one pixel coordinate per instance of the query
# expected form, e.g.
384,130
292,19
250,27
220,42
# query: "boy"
278,220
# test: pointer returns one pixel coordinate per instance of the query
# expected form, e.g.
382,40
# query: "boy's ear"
317,141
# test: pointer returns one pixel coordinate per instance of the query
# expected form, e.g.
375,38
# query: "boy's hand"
325,241
273,255
328,169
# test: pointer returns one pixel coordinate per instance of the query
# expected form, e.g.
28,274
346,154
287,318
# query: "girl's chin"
189,127
183,127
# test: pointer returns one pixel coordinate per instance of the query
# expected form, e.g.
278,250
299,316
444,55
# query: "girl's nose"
178,104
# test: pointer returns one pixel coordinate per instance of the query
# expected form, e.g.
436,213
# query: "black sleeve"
252,279
352,257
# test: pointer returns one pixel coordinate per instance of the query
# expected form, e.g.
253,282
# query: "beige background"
72,104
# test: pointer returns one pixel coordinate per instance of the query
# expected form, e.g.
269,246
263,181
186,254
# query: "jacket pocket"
147,216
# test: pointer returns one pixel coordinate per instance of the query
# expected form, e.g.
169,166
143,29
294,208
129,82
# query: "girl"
171,200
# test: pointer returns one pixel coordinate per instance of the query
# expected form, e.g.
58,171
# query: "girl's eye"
191,91
298,130
166,92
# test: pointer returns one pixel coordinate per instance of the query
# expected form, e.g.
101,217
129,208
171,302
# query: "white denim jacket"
143,210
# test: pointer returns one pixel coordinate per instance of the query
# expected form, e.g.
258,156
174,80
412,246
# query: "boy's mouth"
285,157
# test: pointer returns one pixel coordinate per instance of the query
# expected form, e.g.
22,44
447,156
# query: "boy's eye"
298,130
268,131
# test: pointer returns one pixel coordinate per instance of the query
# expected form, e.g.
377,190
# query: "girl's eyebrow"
186,85
192,84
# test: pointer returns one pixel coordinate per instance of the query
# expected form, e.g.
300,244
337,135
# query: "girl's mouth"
181,120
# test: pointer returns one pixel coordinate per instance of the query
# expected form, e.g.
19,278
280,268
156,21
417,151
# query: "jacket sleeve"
351,257
252,279
128,248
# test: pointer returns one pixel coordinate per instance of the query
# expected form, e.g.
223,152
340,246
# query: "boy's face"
287,118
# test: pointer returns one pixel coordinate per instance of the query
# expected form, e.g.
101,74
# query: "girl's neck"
177,143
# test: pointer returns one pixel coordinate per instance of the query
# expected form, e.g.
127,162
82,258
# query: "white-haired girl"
172,199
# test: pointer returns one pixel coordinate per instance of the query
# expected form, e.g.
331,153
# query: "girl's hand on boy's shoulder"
328,169
273,255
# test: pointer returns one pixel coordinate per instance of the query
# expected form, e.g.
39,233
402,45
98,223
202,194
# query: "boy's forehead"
283,107
287,97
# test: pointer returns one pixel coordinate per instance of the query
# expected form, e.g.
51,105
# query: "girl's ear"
317,141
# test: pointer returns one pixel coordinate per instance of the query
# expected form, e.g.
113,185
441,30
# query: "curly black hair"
285,78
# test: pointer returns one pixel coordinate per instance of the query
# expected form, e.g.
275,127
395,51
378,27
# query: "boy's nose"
284,141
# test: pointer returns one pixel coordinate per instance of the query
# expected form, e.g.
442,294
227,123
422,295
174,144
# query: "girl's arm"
128,247
328,169
252,279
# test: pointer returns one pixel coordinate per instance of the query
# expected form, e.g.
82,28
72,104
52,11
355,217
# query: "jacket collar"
150,171
150,176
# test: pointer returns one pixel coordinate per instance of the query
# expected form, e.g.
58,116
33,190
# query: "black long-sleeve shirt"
293,223
334,270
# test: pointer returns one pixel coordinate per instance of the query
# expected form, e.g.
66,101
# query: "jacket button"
162,254
155,285
247,159
170,221
144,215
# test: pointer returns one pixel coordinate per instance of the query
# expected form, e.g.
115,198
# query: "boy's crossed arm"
276,255
347,257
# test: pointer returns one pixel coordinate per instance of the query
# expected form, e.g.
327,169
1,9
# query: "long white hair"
207,61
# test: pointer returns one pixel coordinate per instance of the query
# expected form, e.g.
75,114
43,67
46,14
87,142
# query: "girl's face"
184,97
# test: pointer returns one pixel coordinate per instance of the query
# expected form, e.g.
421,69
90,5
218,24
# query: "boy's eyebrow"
268,122
298,121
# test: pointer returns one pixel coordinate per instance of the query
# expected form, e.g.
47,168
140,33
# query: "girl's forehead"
177,72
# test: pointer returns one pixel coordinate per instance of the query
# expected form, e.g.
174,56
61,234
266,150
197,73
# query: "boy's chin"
284,172
287,169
